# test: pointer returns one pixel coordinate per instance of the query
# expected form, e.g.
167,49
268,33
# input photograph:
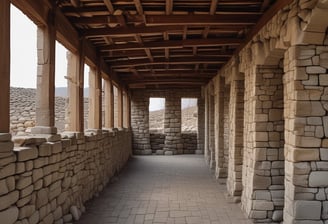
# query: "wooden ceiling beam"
213,6
170,83
180,74
175,44
168,7
109,6
183,20
138,6
163,61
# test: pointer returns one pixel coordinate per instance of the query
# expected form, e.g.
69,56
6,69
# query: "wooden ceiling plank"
175,44
139,7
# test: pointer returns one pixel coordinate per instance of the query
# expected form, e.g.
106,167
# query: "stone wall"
188,140
172,121
47,179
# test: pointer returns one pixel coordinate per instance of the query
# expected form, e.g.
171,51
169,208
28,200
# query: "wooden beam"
213,6
180,61
76,3
45,92
109,6
168,7
176,44
128,31
178,74
5,66
175,83
109,104
95,99
193,79
182,20
75,76
138,7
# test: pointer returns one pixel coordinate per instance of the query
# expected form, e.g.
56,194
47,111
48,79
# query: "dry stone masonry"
47,179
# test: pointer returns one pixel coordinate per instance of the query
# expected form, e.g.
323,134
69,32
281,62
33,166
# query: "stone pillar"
127,111
95,99
140,124
45,92
201,125
5,66
211,125
220,170
120,107
206,142
263,176
236,119
226,127
172,126
306,134
75,74
109,104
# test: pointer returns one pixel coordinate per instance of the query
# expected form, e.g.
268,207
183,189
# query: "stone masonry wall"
47,179
263,176
143,143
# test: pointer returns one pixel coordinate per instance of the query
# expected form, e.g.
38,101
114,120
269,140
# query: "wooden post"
4,65
109,104
75,74
45,93
95,98
120,107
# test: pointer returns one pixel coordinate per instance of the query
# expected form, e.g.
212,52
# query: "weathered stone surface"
6,146
307,210
318,179
8,200
9,216
75,213
26,153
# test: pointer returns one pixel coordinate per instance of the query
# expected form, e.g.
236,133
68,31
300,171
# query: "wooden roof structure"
164,43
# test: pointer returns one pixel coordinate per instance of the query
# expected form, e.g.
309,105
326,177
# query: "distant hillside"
62,92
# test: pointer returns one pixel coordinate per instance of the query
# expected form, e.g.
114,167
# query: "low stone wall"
188,139
47,179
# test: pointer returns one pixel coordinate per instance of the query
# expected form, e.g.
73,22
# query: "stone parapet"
49,182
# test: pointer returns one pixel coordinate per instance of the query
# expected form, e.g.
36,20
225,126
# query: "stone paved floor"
164,189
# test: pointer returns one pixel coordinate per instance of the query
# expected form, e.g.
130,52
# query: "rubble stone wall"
47,179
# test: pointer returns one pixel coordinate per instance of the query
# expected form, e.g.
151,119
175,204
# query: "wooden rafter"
109,6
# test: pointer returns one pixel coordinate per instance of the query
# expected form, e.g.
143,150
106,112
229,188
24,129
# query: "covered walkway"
162,189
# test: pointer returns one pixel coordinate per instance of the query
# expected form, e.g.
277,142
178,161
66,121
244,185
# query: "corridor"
162,189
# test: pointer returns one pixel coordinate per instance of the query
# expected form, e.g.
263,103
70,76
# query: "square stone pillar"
306,134
95,99
263,167
109,104
201,125
120,108
236,120
172,126
211,132
5,66
45,92
75,74
140,124
226,128
207,155
220,170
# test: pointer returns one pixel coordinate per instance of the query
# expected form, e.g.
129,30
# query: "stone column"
172,126
201,125
236,119
45,93
211,125
263,176
306,134
75,74
140,123
5,66
220,170
120,107
127,111
226,127
109,104
95,99
207,154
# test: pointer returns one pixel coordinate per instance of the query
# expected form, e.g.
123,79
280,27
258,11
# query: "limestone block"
5,137
305,154
45,149
262,205
318,179
323,80
34,219
8,200
305,141
307,210
315,70
37,174
23,182
42,197
6,146
324,153
8,170
9,216
261,182
26,211
325,125
26,153
26,191
309,108
277,216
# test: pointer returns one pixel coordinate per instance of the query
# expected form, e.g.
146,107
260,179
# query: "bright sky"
24,54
